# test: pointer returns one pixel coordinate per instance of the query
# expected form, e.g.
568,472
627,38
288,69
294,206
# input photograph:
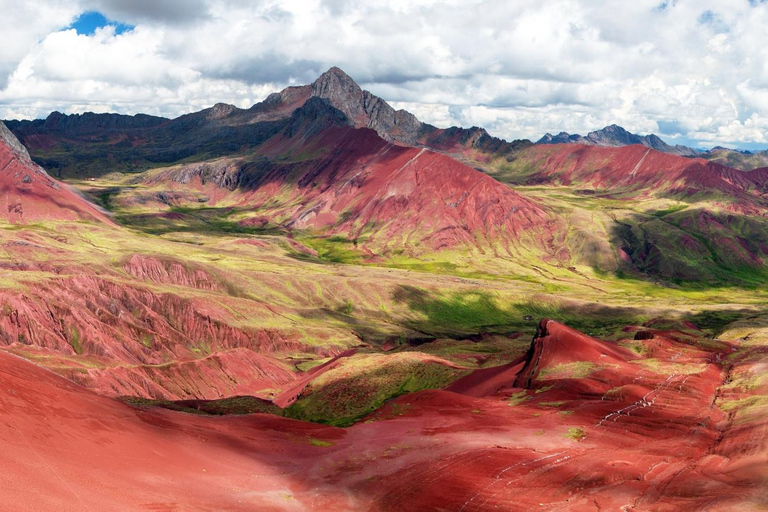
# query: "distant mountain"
617,136
322,173
738,159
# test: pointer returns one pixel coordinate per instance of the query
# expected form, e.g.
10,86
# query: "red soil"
221,375
488,381
556,344
658,442
29,194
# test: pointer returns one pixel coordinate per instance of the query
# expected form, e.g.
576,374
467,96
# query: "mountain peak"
335,83
364,109
338,73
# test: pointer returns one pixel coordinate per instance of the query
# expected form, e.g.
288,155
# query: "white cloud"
694,68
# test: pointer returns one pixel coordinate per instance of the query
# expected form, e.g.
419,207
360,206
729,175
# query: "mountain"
615,135
575,327
643,170
320,173
29,194
738,159
87,145
663,216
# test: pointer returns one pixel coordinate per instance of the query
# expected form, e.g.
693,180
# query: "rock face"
615,135
366,110
12,143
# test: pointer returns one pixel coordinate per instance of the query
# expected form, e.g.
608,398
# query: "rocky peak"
561,138
615,135
220,110
335,83
364,109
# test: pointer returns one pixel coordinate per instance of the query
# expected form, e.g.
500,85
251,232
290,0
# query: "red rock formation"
660,442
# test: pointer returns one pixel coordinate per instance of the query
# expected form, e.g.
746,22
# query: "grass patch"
575,433
319,442
574,370
447,313
668,368
363,383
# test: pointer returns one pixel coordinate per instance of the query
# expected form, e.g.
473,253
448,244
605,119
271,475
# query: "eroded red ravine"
130,340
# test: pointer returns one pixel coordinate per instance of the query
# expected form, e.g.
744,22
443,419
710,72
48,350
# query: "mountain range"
615,135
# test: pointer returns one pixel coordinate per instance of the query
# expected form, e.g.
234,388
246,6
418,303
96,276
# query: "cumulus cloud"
695,70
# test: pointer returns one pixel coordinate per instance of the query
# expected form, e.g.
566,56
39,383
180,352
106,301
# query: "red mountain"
320,173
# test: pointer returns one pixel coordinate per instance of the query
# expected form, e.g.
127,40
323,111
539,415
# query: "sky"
692,71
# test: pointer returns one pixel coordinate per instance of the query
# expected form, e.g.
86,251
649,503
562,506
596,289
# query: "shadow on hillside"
692,249
367,330
468,312
189,220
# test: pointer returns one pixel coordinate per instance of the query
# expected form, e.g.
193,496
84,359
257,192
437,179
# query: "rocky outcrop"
166,271
366,110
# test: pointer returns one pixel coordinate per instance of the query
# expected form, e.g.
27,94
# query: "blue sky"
87,23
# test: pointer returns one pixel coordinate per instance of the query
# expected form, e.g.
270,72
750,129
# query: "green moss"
74,340
518,398
552,404
236,405
334,249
